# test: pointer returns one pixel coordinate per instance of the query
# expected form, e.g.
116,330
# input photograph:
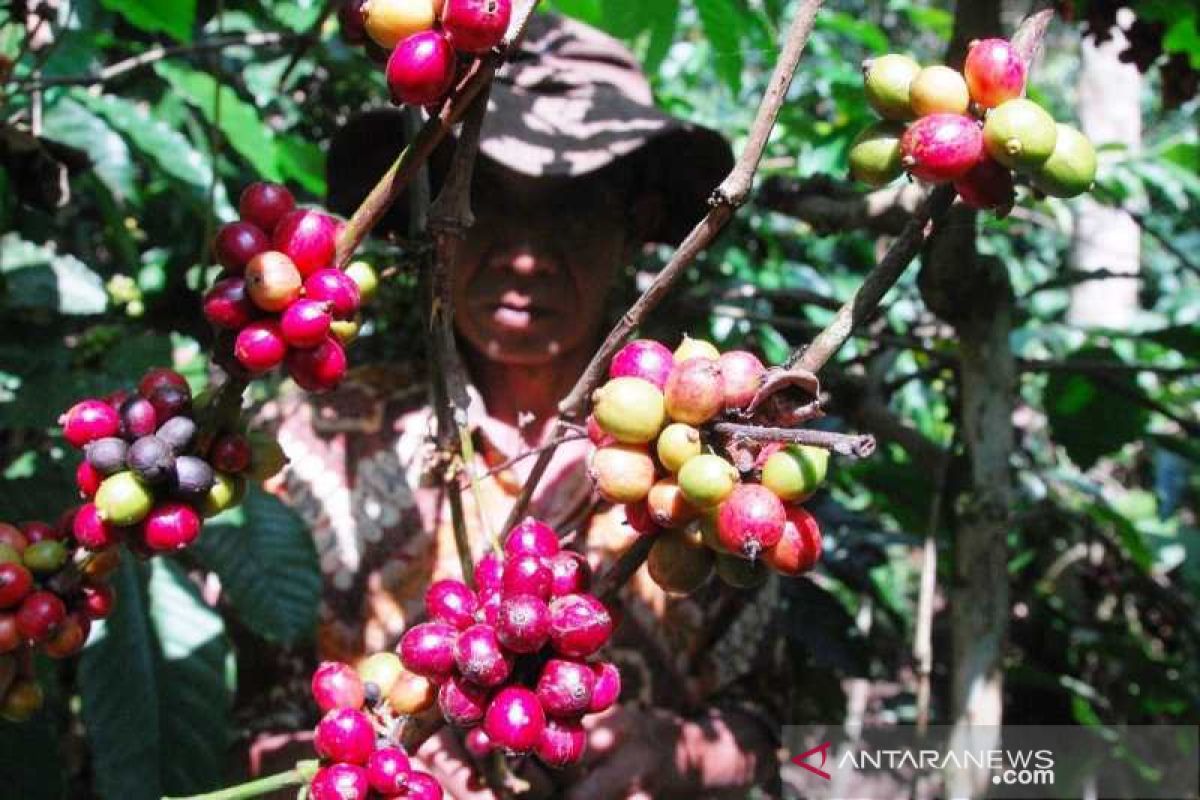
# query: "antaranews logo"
802,760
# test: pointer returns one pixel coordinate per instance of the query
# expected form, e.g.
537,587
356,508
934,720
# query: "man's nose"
527,262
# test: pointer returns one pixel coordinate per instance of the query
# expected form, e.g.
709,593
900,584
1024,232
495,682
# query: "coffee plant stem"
301,774
844,444
725,201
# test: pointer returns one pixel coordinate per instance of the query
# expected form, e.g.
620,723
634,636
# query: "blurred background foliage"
128,126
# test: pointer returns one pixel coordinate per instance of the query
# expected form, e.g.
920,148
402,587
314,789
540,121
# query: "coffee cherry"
89,420
794,473
336,290
607,689
799,549
478,744
345,330
39,532
264,204
336,685
750,520
428,650
643,358
381,670
151,459
345,734
875,157
531,537
579,625
637,515
562,743
68,638
45,557
160,377
995,72
39,614
623,473
194,478
138,418
305,323
565,688
230,453
740,573
170,526
308,238
632,410
365,277
679,562
571,573
98,600
320,369
451,602
107,455
691,348
596,434
423,786
941,147
10,637
476,26
667,505
170,402
694,393
741,377
462,703
88,478
16,582
272,281
9,554
388,769
887,82
421,69
480,658
260,347
12,535
23,700
523,623
1020,134
489,573
987,186
707,480
677,443
938,90
1071,168
239,242
388,22
527,574
412,694
515,720
123,500
178,433
102,564
339,782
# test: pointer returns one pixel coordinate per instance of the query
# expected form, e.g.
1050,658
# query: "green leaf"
662,20
1093,416
31,765
67,121
866,34
237,119
722,25
39,277
172,17
303,162
268,566
152,679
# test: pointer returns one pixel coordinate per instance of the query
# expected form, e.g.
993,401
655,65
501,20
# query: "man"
577,171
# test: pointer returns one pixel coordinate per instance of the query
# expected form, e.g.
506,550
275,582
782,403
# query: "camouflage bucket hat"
570,101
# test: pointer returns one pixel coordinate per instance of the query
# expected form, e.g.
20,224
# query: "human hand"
461,775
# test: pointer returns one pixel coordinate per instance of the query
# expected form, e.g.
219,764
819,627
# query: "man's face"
534,270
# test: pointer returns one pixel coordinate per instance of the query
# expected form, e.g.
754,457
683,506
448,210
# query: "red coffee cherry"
480,658
489,573
750,520
339,782
515,720
345,734
305,323
987,186
478,743
40,614
423,786
350,22
87,479
565,688
741,377
421,69
643,358
68,638
170,526
227,306
89,420
320,369
462,703
264,204
451,602
308,238
579,625
942,147
40,532
10,637
571,573
799,549
170,402
91,531
527,574
995,72
607,689
388,769
260,347
337,685
16,582
523,623
531,537
230,453
98,600
336,288
237,243
694,393
428,650
476,26
159,377
562,743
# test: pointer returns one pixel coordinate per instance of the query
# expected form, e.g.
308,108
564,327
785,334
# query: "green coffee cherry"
1071,168
1020,134
887,80
875,154
123,500
795,472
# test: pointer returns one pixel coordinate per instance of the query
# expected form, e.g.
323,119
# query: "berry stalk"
300,775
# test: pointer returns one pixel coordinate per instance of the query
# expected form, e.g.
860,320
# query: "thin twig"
923,633
306,41
844,444
616,576
508,463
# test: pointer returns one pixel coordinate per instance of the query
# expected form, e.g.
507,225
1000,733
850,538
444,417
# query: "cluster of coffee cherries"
50,593
143,475
512,662
421,40
973,128
359,758
280,299
656,453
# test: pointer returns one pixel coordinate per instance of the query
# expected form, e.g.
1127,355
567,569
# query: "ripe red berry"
423,786
750,520
98,600
995,72
170,402
15,584
421,69
478,744
237,243
451,602
336,288
565,688
260,346
170,526
694,393
527,574
572,574
305,323
12,536
480,658
40,532
489,607
308,238
68,638
515,720
523,623
799,549
273,281
476,26
138,418
339,782
345,734
227,306
337,685
638,516
489,573
89,420
596,434
942,147
87,479
579,625
159,377
320,369
10,637
40,614
387,771
987,186
531,537
91,531
741,377
645,359
264,204
462,703
562,743
607,689
230,453
428,650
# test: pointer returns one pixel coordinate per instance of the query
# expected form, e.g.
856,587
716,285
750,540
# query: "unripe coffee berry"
887,80
875,156
694,393
273,281
632,410
939,90
388,22
750,520
679,563
995,72
623,473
